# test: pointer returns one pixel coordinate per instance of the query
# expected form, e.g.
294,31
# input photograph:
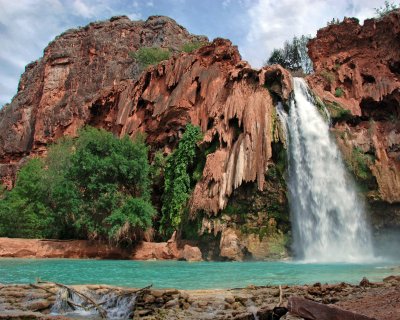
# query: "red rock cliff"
58,93
87,77
357,68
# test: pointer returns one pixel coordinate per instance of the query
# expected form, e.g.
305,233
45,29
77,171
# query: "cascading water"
327,216
116,307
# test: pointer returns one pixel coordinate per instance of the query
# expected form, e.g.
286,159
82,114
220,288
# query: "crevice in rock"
367,78
394,67
386,109
237,127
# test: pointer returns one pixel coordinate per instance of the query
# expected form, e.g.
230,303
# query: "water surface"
187,275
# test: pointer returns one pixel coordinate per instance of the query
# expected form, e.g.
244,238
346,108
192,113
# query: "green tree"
94,187
24,210
109,173
177,180
387,8
293,56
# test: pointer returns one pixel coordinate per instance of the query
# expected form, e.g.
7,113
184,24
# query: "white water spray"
327,215
117,307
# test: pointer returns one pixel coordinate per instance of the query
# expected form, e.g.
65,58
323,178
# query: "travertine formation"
87,77
84,78
358,68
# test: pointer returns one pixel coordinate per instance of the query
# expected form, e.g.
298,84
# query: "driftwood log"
311,310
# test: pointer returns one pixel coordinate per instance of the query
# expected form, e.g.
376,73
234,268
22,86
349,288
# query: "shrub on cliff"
94,187
147,56
387,8
189,47
177,181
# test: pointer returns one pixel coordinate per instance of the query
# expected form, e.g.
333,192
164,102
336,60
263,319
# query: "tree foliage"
24,210
94,187
387,8
177,180
293,56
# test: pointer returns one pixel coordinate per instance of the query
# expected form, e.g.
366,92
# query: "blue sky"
256,26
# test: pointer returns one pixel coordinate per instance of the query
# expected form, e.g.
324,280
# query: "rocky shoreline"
379,300
78,249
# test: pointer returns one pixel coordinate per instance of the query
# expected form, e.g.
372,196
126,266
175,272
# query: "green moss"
278,245
359,163
337,112
148,56
339,92
235,208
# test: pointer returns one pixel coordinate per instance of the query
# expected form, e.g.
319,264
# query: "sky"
255,26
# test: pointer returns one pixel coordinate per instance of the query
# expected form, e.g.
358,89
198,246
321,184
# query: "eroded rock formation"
77,82
78,249
84,78
357,77
87,77
357,69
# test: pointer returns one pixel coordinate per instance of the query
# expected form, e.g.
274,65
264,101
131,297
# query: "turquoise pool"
187,275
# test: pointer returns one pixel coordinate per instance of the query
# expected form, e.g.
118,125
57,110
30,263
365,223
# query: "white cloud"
27,26
82,9
272,22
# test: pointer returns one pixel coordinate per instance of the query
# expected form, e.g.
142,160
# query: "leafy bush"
293,56
24,210
177,181
339,92
192,46
148,56
96,187
387,8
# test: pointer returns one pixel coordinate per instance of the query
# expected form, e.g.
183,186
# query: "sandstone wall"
357,68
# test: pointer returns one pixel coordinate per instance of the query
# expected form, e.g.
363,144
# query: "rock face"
75,83
33,248
84,78
87,77
357,71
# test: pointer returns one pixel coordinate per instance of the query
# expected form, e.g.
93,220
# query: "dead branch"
102,312
44,289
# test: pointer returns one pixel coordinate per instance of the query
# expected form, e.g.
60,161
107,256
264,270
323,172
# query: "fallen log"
311,310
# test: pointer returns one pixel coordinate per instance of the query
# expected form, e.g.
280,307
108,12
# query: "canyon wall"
238,209
357,78
87,77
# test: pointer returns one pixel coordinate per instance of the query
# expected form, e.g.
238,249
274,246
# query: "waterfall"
327,215
116,307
